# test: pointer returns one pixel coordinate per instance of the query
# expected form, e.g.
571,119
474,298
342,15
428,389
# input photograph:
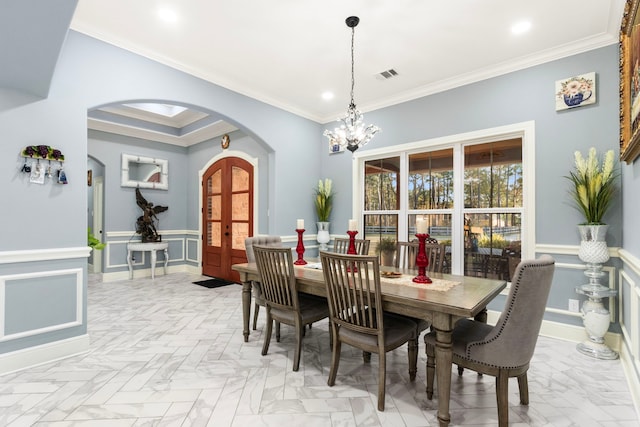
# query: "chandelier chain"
353,82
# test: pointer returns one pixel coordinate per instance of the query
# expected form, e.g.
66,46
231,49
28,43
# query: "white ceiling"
288,52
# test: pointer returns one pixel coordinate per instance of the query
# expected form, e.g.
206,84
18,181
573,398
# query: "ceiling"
287,53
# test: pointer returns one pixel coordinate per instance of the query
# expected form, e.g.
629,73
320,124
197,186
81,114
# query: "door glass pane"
381,184
214,208
240,207
431,180
240,231
493,174
214,183
214,234
239,179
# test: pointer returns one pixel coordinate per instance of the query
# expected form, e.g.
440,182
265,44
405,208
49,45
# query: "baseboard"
142,273
46,353
565,332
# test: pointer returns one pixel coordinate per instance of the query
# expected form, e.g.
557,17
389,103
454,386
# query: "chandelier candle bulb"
421,226
353,225
300,224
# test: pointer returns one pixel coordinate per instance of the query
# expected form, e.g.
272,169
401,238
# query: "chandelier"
352,133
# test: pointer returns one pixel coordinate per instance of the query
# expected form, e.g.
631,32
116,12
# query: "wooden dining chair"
503,350
341,246
282,301
357,318
256,287
406,256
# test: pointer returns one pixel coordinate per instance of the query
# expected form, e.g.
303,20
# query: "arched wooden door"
227,216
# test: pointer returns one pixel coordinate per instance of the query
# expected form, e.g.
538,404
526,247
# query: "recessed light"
327,96
521,27
167,15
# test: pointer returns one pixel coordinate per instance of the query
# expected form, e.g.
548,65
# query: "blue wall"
292,156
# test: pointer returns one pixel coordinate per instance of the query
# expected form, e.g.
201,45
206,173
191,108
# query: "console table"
148,247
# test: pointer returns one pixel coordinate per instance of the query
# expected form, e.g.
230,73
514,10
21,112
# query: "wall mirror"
144,172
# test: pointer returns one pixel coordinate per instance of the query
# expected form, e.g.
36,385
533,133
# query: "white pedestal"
148,247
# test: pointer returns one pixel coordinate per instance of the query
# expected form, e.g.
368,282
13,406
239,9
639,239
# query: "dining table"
442,303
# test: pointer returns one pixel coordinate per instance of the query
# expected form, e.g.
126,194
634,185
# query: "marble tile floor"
166,352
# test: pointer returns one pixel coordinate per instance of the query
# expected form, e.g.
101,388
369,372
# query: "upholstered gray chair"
341,246
357,318
256,288
503,350
282,301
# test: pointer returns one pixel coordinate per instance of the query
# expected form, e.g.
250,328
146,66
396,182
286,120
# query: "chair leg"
267,334
413,358
382,379
335,359
502,396
256,309
523,385
277,331
366,357
431,370
296,356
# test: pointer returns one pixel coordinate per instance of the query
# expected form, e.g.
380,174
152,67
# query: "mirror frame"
126,180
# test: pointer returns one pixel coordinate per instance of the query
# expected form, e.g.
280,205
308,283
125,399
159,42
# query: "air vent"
385,75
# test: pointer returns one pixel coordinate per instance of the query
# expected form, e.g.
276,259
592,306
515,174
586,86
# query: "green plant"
593,185
497,241
93,242
323,200
386,245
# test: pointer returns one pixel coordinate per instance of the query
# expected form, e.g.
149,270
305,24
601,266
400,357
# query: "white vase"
595,316
593,244
323,236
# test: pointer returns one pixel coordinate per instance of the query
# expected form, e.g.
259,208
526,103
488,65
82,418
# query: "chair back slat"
275,266
353,291
341,246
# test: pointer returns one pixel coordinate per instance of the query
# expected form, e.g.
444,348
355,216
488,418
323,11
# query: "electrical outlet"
574,305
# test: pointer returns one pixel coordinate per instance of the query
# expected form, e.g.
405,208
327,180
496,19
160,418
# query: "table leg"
443,365
166,260
154,258
246,305
130,263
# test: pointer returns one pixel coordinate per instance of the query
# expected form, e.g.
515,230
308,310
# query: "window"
471,192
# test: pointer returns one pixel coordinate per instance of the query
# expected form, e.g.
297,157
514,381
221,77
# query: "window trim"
523,130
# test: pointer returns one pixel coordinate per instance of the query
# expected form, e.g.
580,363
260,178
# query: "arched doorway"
227,220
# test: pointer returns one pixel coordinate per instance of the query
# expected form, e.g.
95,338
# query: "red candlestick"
300,248
421,260
352,247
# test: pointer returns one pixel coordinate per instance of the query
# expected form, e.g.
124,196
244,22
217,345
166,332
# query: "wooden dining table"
443,308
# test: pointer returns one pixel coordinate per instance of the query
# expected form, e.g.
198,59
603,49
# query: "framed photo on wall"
630,83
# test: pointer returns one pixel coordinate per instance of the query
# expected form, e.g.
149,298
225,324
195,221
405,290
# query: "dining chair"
406,256
282,301
503,350
256,288
341,246
357,317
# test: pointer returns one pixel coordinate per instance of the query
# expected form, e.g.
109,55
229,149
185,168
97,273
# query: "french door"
227,216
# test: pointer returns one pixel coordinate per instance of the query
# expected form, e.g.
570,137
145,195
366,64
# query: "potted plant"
592,191
324,203
386,249
93,242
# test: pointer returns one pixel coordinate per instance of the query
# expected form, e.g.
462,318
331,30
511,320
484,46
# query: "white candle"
353,225
421,226
300,224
